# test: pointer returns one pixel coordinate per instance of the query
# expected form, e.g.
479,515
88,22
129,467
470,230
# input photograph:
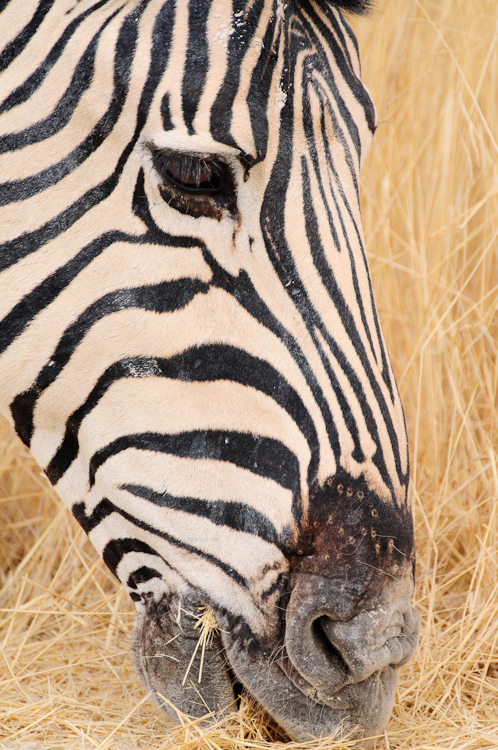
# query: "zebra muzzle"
337,671
343,625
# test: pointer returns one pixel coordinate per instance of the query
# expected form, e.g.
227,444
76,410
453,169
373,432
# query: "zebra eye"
191,174
194,184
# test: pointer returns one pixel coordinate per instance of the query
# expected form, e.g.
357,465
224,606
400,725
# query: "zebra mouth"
196,667
322,657
339,681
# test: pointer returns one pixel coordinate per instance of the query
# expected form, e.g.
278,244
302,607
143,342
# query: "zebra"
190,348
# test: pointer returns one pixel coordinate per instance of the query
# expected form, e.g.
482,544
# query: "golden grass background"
430,205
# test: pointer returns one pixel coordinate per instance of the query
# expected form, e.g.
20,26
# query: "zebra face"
190,346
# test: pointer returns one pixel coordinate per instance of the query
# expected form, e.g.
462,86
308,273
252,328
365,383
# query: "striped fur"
192,370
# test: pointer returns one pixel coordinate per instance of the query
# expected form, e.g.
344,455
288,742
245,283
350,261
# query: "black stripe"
142,575
259,91
17,45
21,315
279,584
349,31
103,509
245,22
65,107
166,297
196,61
162,37
28,243
166,112
115,550
233,515
260,455
199,364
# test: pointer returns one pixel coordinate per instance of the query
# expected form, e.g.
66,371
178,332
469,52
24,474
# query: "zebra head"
190,346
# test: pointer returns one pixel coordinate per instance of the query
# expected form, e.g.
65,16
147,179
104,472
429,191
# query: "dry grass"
430,202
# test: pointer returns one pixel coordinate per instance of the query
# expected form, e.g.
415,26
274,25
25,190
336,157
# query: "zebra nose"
373,639
332,641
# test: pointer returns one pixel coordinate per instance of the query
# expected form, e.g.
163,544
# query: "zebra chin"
331,670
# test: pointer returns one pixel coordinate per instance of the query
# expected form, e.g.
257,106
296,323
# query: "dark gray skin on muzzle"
346,625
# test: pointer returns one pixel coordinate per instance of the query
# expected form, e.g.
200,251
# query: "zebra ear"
358,7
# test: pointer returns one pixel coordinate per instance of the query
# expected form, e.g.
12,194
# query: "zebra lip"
355,711
347,697
184,677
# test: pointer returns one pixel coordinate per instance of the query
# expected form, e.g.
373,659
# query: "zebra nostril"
336,637
375,638
326,647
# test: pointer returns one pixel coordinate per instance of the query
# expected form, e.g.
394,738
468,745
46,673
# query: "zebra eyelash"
194,184
194,174
191,172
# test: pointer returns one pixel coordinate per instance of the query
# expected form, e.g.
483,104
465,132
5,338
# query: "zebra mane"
358,7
